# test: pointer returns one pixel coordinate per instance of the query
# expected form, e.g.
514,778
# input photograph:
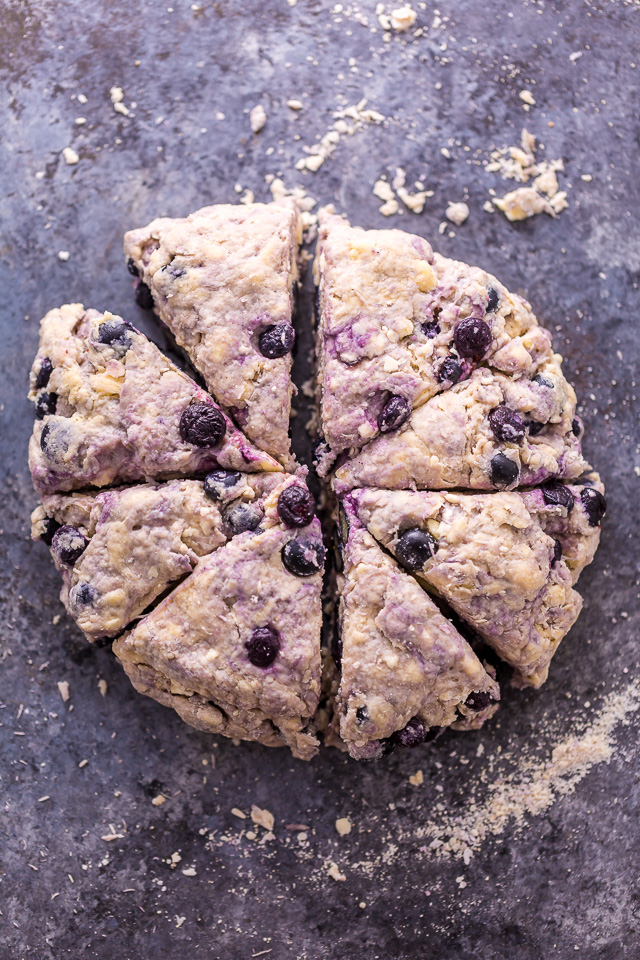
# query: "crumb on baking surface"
520,163
257,118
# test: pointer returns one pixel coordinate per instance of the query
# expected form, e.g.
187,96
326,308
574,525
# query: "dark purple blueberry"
415,733
414,548
277,341
263,646
68,544
54,441
49,527
43,374
395,412
504,472
534,427
479,700
557,495
174,270
543,381
493,299
576,427
203,425
450,370
362,715
431,329
143,296
594,504
115,333
303,556
472,338
557,552
217,483
46,404
82,595
507,425
243,516
296,506
131,267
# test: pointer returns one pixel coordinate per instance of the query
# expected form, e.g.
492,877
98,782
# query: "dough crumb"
257,118
63,688
238,813
70,156
63,255
264,818
457,213
520,163
403,18
417,778
295,104
343,826
102,687
522,203
527,97
334,872
159,800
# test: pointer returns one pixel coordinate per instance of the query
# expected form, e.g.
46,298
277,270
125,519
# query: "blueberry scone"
404,670
111,408
223,281
118,550
498,560
235,648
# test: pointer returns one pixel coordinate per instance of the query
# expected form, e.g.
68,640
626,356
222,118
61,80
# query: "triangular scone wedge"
404,668
114,409
235,648
398,324
490,557
223,281
457,439
118,550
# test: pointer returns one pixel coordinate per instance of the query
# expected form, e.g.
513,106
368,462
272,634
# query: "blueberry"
504,471
431,329
243,516
48,529
412,735
395,412
143,296
543,381
263,646
534,427
276,341
557,552
414,548
479,700
450,370
557,495
472,338
493,299
203,425
82,595
576,427
68,544
115,333
131,267
296,506
506,425
45,404
218,482
53,441
43,374
303,556
362,715
594,504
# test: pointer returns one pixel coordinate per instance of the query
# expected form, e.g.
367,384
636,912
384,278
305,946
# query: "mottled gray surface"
565,885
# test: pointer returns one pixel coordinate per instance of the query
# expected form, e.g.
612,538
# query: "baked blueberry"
263,646
218,482
115,333
68,544
557,552
557,495
594,504
43,374
395,412
534,427
203,425
542,381
414,548
46,404
449,370
54,440
415,733
472,338
296,506
576,427
82,595
143,296
243,516
493,299
504,471
131,267
479,700
303,556
431,329
362,715
49,527
507,425
277,341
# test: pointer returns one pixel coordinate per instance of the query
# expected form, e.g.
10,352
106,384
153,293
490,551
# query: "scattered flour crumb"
457,213
346,123
70,156
343,826
519,163
189,872
257,118
238,813
159,800
179,921
403,18
522,203
334,871
63,255
117,96
295,104
82,99
63,688
264,818
527,97
416,778
102,687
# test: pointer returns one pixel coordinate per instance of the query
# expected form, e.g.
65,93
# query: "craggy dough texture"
448,442
189,653
377,290
142,539
118,412
401,658
494,563
218,278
